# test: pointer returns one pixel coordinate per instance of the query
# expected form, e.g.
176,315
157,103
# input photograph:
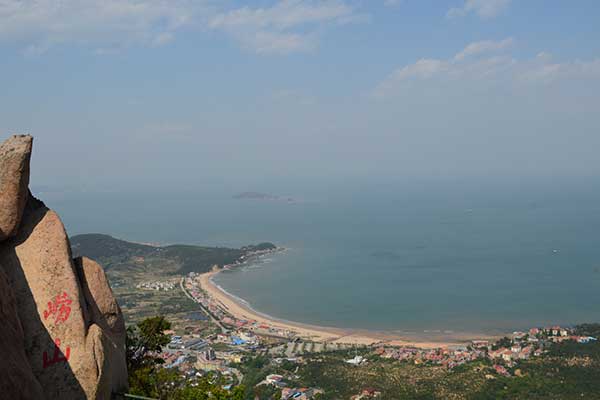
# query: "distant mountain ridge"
96,245
113,253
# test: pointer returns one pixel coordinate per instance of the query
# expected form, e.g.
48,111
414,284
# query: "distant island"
264,197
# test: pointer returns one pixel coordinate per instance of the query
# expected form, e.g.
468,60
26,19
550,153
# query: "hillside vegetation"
145,278
116,253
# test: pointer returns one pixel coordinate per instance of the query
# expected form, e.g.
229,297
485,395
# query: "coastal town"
237,337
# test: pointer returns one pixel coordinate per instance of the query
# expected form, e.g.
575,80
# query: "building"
480,344
195,344
208,355
356,360
501,370
213,365
273,379
586,339
534,332
299,394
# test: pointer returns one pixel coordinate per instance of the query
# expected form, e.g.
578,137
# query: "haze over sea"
464,256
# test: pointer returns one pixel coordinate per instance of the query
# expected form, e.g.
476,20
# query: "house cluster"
189,343
557,334
192,354
178,359
446,357
279,382
246,339
517,351
195,356
157,285
524,345
219,311
505,353
195,364
368,393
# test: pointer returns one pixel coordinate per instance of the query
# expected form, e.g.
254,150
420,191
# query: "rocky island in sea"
263,197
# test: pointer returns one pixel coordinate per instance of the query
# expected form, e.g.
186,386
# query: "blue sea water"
410,257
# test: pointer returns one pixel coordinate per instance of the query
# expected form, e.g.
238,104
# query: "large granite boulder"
16,376
14,179
105,314
64,327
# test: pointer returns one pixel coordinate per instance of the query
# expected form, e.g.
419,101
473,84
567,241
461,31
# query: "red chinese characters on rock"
58,311
59,308
56,357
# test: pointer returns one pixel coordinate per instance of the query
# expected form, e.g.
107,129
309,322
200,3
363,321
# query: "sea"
406,257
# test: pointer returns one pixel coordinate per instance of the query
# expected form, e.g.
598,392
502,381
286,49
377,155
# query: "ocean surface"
409,257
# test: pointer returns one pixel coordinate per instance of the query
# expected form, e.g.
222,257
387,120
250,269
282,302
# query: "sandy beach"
318,333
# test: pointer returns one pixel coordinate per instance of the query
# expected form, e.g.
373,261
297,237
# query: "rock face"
61,322
105,315
17,376
14,179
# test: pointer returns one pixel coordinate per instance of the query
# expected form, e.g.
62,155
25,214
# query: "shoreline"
241,309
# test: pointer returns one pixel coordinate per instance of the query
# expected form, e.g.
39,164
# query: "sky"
121,93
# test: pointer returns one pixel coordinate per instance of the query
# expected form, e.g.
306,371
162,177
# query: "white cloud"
422,69
493,68
284,14
40,24
543,69
263,42
287,26
109,25
483,8
484,46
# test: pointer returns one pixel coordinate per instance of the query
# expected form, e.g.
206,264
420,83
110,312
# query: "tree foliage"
145,341
588,330
148,378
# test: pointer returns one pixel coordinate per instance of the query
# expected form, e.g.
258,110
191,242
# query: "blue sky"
200,90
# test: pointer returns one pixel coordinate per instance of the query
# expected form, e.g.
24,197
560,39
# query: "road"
207,312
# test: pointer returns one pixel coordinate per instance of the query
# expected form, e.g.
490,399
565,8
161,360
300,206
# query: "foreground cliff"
62,332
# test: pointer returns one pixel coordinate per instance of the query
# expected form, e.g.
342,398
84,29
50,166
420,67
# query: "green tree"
147,378
504,342
145,341
588,330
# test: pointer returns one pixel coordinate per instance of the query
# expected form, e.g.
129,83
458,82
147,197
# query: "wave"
238,299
